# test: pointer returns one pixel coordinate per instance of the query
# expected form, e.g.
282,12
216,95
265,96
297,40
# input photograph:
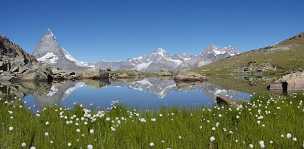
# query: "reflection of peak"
70,90
57,92
154,85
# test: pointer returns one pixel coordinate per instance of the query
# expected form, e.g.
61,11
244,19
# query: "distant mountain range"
160,60
49,51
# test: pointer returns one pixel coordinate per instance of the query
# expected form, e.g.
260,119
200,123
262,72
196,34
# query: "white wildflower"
77,130
113,129
143,120
288,135
262,145
212,139
91,131
250,145
151,144
90,146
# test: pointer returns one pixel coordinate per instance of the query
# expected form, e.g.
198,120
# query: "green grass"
172,128
286,60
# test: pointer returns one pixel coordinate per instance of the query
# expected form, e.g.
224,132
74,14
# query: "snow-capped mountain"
49,51
160,60
156,61
213,53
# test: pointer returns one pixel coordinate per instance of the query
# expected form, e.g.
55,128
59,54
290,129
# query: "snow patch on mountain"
77,62
49,57
142,66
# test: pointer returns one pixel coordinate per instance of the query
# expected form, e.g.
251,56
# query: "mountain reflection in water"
148,93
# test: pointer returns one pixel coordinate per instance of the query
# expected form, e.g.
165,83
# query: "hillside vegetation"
282,58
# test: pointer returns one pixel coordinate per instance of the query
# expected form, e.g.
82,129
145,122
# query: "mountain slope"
10,50
49,51
278,59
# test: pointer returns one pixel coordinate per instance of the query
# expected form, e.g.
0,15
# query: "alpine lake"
142,94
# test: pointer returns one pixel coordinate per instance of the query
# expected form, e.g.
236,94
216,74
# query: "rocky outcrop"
290,82
95,74
125,74
252,68
189,77
16,64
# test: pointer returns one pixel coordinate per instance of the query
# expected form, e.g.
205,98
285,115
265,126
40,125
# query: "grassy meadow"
286,60
264,122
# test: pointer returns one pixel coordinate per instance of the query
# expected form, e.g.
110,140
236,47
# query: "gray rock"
189,77
292,82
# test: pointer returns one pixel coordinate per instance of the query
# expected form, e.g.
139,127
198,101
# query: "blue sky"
93,30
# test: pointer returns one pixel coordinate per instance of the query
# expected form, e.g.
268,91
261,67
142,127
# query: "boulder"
90,74
221,100
189,77
36,75
290,82
124,74
6,76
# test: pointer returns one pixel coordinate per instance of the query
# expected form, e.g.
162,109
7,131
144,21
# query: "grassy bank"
269,122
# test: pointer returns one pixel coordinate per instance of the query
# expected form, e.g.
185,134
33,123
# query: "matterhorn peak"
49,51
49,35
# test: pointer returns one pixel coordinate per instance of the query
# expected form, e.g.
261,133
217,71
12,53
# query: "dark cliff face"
13,52
16,64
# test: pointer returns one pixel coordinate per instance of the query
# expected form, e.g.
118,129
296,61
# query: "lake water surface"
144,94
